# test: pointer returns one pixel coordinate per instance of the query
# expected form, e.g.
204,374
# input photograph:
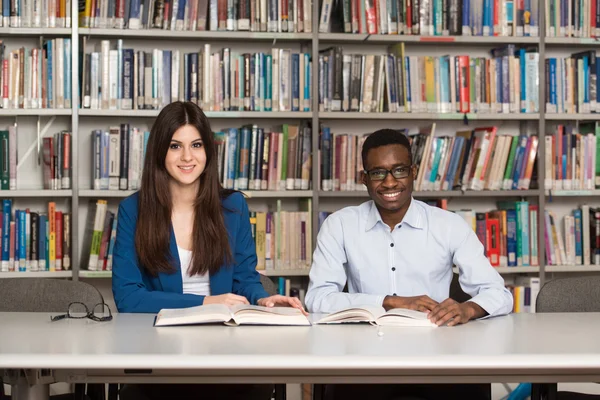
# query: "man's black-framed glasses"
379,174
77,310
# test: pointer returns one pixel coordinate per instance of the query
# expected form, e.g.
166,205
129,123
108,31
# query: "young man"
397,252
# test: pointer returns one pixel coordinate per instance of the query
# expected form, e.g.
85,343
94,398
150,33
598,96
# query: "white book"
113,81
378,316
231,316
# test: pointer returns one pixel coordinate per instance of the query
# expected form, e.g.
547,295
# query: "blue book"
578,237
6,214
552,65
134,11
459,142
586,80
465,15
522,64
281,286
47,245
295,82
511,237
67,71
519,160
232,163
268,68
307,75
49,85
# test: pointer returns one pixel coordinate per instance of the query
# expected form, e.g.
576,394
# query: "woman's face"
186,157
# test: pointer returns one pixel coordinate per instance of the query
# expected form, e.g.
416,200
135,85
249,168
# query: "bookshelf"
80,120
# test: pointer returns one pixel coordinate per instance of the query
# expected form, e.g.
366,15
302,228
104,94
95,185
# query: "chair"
271,289
572,294
50,295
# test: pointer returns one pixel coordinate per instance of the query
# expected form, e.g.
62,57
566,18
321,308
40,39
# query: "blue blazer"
136,291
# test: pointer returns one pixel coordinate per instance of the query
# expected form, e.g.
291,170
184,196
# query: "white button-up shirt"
354,245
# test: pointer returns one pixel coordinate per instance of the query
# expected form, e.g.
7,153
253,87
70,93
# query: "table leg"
22,390
544,391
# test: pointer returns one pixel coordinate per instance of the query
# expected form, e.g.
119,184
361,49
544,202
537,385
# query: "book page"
258,315
205,314
404,317
354,314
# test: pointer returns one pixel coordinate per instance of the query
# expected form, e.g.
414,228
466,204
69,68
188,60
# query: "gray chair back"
45,295
268,285
572,294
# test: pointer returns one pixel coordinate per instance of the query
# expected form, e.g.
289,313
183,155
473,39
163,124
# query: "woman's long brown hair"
210,245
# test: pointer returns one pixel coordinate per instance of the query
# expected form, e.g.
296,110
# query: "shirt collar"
413,216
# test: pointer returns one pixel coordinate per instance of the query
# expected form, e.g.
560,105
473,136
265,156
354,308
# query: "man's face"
391,194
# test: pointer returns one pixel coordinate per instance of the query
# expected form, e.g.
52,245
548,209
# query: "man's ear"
363,177
414,171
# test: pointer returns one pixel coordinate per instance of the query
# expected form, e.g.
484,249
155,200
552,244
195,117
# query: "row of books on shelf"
431,17
285,288
476,159
283,238
571,84
524,290
571,157
198,15
577,242
35,241
573,18
252,158
55,160
35,13
118,157
36,77
509,234
99,237
506,82
123,78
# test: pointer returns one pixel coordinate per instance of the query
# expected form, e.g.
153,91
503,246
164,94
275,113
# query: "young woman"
183,240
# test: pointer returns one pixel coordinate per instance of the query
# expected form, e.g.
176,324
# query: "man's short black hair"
384,137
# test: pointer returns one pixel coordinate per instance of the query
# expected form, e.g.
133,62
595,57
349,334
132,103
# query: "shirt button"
391,244
393,268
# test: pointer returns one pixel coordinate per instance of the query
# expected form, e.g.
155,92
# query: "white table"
517,348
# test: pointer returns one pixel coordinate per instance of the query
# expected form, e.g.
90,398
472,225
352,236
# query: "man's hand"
282,301
456,313
419,303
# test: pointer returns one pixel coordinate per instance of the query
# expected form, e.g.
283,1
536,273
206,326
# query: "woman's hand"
283,301
228,299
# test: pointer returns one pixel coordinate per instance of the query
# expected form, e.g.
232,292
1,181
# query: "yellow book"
430,84
261,234
85,14
52,236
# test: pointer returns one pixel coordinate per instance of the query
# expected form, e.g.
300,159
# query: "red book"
463,79
493,241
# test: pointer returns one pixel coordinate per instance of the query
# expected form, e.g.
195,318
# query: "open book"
232,316
378,316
